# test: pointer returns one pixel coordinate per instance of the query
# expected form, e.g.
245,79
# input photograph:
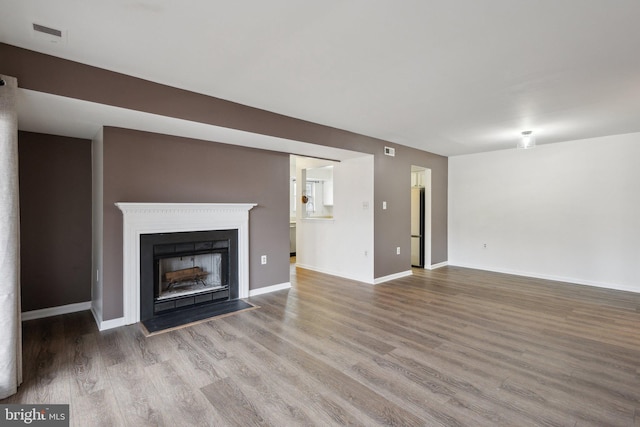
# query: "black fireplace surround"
158,249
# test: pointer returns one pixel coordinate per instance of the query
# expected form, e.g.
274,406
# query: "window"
318,192
310,192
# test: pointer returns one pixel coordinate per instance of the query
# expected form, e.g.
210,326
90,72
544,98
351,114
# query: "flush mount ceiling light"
527,141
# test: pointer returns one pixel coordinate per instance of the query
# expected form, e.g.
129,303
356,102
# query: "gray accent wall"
148,167
55,220
392,183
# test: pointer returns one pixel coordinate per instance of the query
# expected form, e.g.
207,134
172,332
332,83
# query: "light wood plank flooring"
450,347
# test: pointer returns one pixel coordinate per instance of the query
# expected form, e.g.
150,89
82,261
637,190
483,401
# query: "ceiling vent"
51,35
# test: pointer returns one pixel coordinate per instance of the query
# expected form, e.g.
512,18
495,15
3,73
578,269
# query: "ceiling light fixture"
527,141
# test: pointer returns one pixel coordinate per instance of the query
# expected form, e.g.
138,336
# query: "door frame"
424,175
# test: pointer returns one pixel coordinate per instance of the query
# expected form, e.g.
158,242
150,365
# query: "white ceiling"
447,76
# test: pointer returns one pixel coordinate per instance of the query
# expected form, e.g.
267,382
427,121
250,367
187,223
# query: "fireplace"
141,219
179,271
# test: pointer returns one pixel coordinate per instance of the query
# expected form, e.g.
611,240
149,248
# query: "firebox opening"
187,269
191,274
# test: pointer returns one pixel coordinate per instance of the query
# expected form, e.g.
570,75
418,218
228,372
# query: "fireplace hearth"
183,270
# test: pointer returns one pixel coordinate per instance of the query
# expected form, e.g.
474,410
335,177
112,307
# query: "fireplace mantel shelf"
177,208
147,218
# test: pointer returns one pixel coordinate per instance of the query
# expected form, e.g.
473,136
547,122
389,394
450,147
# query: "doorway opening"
332,215
311,195
420,217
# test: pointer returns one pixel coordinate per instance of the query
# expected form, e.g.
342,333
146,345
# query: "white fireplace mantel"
148,218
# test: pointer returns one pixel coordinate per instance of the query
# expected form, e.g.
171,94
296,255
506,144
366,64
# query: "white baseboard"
438,265
569,280
103,325
394,276
268,289
55,311
72,308
110,324
334,273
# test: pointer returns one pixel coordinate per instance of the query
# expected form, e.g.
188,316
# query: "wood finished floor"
451,347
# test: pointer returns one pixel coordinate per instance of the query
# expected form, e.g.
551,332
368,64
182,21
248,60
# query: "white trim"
96,316
268,289
394,276
55,311
438,265
568,280
148,218
333,273
103,325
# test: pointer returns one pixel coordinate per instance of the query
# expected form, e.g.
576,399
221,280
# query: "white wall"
338,246
567,211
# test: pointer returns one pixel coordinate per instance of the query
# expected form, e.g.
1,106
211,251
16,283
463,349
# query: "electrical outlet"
484,246
263,259
384,205
366,253
398,250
